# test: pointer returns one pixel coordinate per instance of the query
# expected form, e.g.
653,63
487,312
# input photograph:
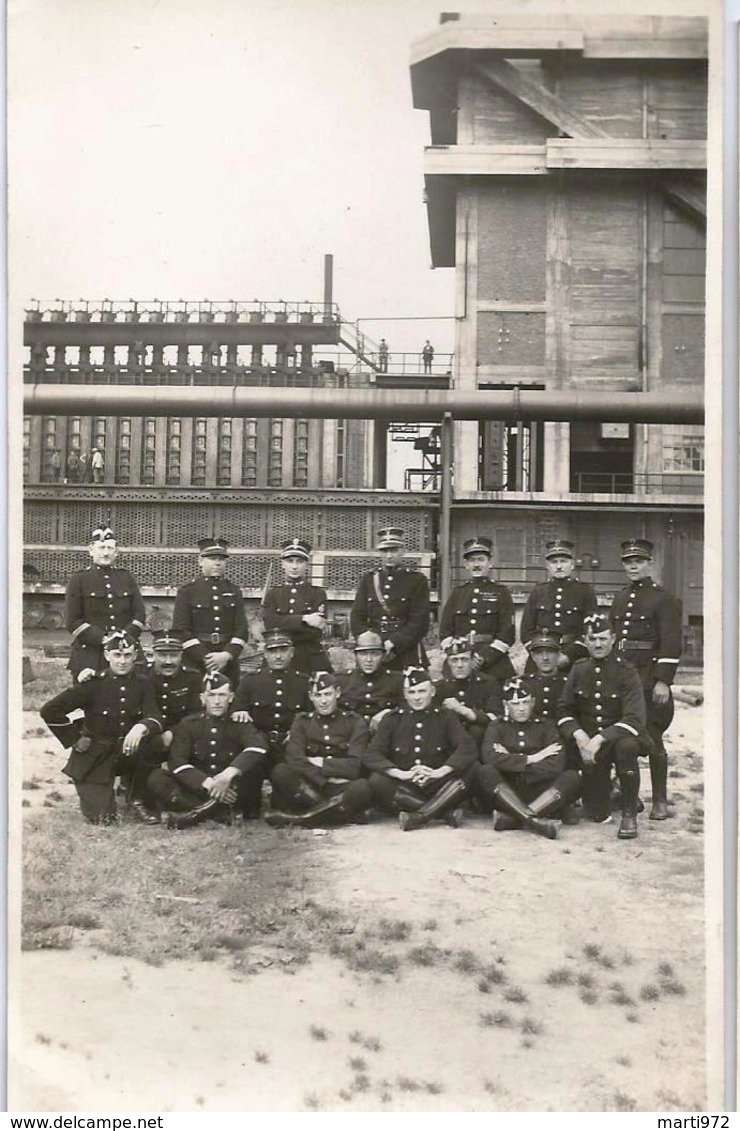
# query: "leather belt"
213,638
638,645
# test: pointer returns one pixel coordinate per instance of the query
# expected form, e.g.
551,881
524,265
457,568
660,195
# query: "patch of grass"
627,958
493,973
588,997
492,1087
32,783
632,1017
620,1101
227,941
497,1019
433,1088
372,1044
516,995
592,951
430,925
467,962
586,981
560,976
345,1095
42,1039
385,1097
355,1037
25,803
624,1061
650,992
361,1083
358,956
427,955
312,1102
484,986
673,986
394,930
55,795
618,995
261,1057
697,787
406,1084
357,1063
319,1033
606,961
665,970
530,1026
527,1043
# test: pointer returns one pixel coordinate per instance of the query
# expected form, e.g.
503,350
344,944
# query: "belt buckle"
215,638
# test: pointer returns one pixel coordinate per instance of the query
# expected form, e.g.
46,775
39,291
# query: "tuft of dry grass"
427,955
560,976
357,1063
650,992
261,1057
467,962
406,1084
319,1033
497,1019
673,986
516,995
530,1026
393,930
587,996
620,1101
586,981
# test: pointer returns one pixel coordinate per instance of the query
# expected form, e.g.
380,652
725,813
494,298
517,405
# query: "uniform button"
598,683
279,691
417,761
368,694
545,688
419,726
214,730
473,620
597,671
293,589
597,695
278,681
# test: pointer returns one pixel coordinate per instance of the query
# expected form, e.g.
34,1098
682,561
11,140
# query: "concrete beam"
684,406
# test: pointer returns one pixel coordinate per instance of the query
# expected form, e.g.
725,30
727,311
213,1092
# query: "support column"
443,548
556,456
380,453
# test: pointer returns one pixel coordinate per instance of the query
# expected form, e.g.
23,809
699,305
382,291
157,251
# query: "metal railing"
225,374
624,483
180,310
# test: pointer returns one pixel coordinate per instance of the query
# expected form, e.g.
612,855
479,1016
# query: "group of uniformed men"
189,737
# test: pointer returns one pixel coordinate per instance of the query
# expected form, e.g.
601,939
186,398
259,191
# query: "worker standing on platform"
427,356
647,621
99,600
394,602
482,610
383,356
298,608
559,605
209,615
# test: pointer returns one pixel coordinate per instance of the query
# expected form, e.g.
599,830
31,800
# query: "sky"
219,148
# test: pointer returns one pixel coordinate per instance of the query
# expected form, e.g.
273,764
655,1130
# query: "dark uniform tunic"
177,695
340,740
547,691
647,621
481,694
209,616
559,605
100,599
202,747
284,607
112,705
405,619
485,609
433,737
368,694
273,699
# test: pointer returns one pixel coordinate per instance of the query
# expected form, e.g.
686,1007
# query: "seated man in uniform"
603,709
559,605
482,609
298,608
320,780
215,764
523,775
420,758
372,690
100,599
272,697
177,692
474,698
120,711
209,615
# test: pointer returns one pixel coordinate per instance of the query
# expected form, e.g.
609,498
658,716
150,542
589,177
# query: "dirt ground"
581,1019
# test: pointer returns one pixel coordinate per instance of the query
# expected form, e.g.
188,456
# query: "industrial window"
26,448
683,448
99,433
300,454
275,466
48,449
74,432
174,452
123,451
249,454
199,454
149,450
340,453
223,468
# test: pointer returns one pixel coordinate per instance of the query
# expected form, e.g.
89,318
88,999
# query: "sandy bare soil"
93,1032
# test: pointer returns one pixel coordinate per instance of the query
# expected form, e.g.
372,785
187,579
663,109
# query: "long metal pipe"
681,406
445,505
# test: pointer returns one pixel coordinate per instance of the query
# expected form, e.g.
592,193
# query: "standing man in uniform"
298,608
100,599
320,780
647,622
272,697
420,758
209,615
215,764
427,355
120,712
394,602
523,777
474,698
371,690
559,605
482,610
603,710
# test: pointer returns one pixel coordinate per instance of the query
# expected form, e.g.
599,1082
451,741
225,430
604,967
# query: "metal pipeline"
669,406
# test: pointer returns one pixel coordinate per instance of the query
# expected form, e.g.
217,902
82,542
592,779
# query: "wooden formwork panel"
512,243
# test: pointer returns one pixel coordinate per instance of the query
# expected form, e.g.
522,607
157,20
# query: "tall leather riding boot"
630,783
305,797
406,801
328,812
549,801
437,806
659,779
508,800
596,791
212,808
